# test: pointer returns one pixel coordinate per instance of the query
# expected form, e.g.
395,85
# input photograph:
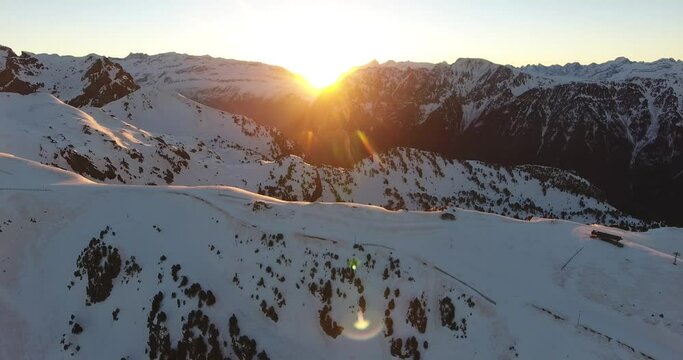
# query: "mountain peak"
472,61
408,64
139,55
623,60
372,63
8,50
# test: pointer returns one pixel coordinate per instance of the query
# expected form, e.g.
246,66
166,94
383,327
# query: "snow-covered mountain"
400,98
92,80
206,77
271,94
216,272
618,124
155,137
619,69
101,146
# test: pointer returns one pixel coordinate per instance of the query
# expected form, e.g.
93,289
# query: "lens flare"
352,263
308,140
362,326
366,142
361,323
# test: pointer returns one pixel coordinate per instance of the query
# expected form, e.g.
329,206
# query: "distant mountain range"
617,124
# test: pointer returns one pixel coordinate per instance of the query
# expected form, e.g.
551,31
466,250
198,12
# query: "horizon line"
374,60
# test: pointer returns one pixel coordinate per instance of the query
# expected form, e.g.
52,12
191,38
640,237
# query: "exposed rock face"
398,104
9,75
626,138
88,81
101,87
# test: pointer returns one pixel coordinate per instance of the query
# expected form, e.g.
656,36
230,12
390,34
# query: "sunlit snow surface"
503,276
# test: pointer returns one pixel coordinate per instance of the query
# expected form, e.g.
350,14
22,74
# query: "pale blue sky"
299,34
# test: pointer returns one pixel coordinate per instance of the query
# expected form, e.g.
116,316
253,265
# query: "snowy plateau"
157,207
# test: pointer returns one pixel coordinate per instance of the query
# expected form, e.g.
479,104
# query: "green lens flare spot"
352,263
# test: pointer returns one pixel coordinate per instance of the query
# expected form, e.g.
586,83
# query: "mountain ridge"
630,121
156,137
617,124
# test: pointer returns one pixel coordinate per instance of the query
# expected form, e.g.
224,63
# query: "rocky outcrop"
9,76
103,88
88,81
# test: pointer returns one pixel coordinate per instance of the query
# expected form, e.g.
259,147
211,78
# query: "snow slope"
33,174
155,137
98,145
88,271
162,111
405,178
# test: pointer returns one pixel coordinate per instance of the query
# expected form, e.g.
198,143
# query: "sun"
315,40
320,77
